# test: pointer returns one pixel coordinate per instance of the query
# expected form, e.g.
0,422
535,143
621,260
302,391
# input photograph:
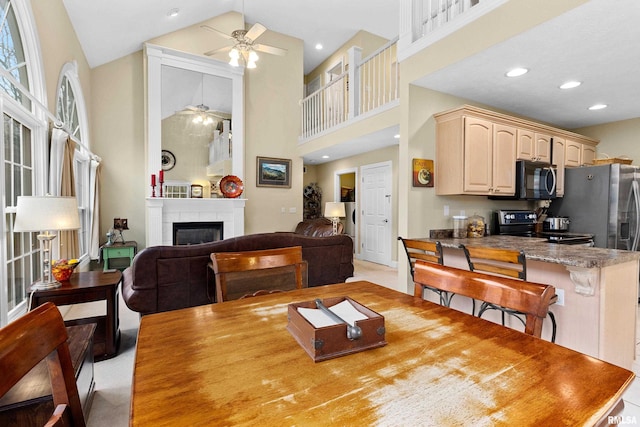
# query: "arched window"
23,155
71,112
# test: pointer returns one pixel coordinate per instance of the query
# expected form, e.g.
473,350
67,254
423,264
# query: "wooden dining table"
235,363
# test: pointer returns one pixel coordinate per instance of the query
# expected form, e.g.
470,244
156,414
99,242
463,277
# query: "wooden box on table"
329,342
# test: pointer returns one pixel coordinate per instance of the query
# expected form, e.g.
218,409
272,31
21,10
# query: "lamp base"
42,285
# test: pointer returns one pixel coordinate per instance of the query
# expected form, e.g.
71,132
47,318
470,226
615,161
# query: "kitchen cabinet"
533,146
476,150
475,156
578,153
558,161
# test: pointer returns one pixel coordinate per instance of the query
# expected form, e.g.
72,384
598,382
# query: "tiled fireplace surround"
163,212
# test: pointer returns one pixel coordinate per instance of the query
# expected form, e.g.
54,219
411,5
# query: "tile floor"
113,377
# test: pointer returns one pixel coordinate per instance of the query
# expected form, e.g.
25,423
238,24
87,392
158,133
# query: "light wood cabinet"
577,153
475,156
558,161
476,150
533,146
588,154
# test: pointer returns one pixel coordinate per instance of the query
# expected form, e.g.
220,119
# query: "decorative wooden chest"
331,341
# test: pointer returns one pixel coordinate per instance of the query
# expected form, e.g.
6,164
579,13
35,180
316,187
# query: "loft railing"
374,80
436,13
423,22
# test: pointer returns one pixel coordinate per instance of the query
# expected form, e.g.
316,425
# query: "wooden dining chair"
429,251
531,299
253,273
41,335
507,263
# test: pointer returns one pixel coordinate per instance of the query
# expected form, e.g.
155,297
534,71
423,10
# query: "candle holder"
153,190
161,182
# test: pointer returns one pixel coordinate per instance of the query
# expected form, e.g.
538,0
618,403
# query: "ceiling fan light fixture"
251,64
253,56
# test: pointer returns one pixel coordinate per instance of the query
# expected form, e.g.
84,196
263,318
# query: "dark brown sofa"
163,278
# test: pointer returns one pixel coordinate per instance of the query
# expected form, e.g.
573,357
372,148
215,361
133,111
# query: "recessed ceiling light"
173,12
396,136
319,46
516,72
325,157
570,84
598,107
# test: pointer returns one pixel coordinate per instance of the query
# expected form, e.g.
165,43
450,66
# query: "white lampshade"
334,210
40,213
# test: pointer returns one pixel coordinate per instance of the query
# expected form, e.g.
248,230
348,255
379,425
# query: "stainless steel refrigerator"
604,201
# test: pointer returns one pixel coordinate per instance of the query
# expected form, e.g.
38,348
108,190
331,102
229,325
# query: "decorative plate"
168,160
231,186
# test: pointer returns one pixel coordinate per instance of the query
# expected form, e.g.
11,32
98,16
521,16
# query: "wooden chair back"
504,262
422,250
251,273
41,335
531,299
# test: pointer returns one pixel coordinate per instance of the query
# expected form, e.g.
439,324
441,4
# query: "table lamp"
335,211
48,213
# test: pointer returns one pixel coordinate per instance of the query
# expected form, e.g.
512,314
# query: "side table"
118,250
88,286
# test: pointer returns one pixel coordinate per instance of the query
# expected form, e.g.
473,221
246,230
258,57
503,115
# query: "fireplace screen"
193,233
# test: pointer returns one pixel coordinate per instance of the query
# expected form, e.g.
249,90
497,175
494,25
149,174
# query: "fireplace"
163,212
193,233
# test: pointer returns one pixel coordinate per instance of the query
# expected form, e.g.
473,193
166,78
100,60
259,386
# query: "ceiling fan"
244,44
203,114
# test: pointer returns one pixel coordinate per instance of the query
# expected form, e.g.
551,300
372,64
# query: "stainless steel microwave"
534,181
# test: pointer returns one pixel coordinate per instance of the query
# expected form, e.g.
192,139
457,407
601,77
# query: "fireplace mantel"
163,212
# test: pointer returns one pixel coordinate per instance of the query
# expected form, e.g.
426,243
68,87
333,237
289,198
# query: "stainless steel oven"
517,222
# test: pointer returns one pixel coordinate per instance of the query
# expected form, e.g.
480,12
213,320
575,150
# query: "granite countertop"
539,249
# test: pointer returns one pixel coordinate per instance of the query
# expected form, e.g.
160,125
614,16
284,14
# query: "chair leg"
553,326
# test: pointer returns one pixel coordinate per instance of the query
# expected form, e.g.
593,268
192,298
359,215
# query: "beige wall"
118,129
617,139
366,41
59,45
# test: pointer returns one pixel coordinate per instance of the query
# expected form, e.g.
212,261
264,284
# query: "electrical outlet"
446,210
283,210
560,294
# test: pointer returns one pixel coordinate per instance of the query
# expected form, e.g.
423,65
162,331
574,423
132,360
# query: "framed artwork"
422,172
273,172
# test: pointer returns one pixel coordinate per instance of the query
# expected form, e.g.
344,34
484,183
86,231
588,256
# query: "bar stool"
502,262
428,251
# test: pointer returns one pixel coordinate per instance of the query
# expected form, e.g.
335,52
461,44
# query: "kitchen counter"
597,292
539,249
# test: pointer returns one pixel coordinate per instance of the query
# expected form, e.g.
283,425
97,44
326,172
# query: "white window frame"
36,121
81,157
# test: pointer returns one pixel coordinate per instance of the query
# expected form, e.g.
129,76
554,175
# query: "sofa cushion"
318,227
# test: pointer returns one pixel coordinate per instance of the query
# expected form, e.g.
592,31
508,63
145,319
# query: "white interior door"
376,213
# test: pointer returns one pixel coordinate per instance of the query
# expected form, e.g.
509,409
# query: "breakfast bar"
597,288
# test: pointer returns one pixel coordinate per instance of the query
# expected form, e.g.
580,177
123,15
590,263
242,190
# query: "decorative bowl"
62,269
231,186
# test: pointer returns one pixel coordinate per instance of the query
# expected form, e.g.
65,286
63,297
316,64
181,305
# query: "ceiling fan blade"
220,33
270,49
220,50
256,31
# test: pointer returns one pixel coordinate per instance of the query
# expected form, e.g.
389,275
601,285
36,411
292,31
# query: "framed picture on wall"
422,172
273,172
